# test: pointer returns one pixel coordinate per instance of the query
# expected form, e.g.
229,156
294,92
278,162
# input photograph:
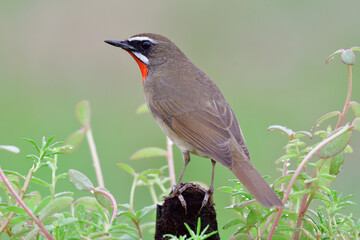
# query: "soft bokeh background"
266,56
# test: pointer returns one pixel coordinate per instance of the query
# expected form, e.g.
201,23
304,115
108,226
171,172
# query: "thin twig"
297,172
95,157
23,205
22,193
347,101
111,197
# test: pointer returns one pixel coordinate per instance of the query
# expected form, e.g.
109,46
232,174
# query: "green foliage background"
268,58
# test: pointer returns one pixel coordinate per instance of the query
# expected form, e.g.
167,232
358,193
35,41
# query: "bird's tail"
255,184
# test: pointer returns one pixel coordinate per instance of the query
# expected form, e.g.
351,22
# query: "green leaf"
10,148
226,189
42,204
300,134
348,57
55,206
127,214
31,235
90,203
79,180
7,172
253,217
16,209
101,198
284,130
337,163
127,168
74,140
356,108
149,152
335,146
33,143
146,210
60,176
232,222
142,109
324,118
151,171
356,123
331,57
83,112
39,181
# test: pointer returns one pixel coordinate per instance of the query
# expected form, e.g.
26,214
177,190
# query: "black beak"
119,43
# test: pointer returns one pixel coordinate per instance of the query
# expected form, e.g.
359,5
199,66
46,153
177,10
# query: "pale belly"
183,145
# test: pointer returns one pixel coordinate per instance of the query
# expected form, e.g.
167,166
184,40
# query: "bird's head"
148,49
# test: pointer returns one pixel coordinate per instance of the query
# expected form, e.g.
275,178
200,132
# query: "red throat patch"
143,68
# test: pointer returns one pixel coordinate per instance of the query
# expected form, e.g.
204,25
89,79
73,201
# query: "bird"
191,110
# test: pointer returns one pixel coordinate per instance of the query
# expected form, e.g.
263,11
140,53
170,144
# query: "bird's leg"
176,189
210,191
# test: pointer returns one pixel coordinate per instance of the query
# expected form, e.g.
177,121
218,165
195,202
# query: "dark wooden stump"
171,215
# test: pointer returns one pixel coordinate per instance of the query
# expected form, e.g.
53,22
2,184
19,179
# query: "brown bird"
193,113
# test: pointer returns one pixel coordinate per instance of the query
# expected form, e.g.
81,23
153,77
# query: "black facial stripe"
138,46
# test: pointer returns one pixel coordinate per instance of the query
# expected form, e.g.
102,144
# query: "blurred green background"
267,57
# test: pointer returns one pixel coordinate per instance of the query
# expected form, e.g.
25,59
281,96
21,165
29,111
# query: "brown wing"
209,129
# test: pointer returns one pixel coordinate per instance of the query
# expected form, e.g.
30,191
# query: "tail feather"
256,184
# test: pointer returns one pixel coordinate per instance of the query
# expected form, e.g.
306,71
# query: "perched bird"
193,113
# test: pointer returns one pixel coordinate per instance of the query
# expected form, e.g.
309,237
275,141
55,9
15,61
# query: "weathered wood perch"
171,215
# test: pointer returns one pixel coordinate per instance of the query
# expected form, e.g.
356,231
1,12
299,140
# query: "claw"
177,192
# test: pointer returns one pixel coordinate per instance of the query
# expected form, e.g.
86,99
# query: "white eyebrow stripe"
141,39
141,57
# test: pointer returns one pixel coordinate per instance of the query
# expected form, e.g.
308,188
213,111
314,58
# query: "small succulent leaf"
348,57
325,117
300,134
39,181
226,189
60,176
253,217
55,206
74,140
335,146
232,222
101,198
142,109
146,210
83,112
149,152
9,172
79,180
355,48
33,143
127,168
31,235
151,171
16,209
282,129
356,123
10,148
331,57
90,203
355,106
45,201
337,163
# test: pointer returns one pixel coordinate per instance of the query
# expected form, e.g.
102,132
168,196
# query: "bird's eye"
145,45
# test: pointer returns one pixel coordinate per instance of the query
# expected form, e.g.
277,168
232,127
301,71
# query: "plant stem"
153,194
22,193
347,101
170,159
132,193
53,177
95,157
23,205
297,172
111,197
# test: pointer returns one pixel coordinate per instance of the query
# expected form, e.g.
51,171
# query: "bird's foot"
208,197
177,192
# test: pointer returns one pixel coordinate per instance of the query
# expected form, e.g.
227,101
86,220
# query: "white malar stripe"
141,57
141,39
